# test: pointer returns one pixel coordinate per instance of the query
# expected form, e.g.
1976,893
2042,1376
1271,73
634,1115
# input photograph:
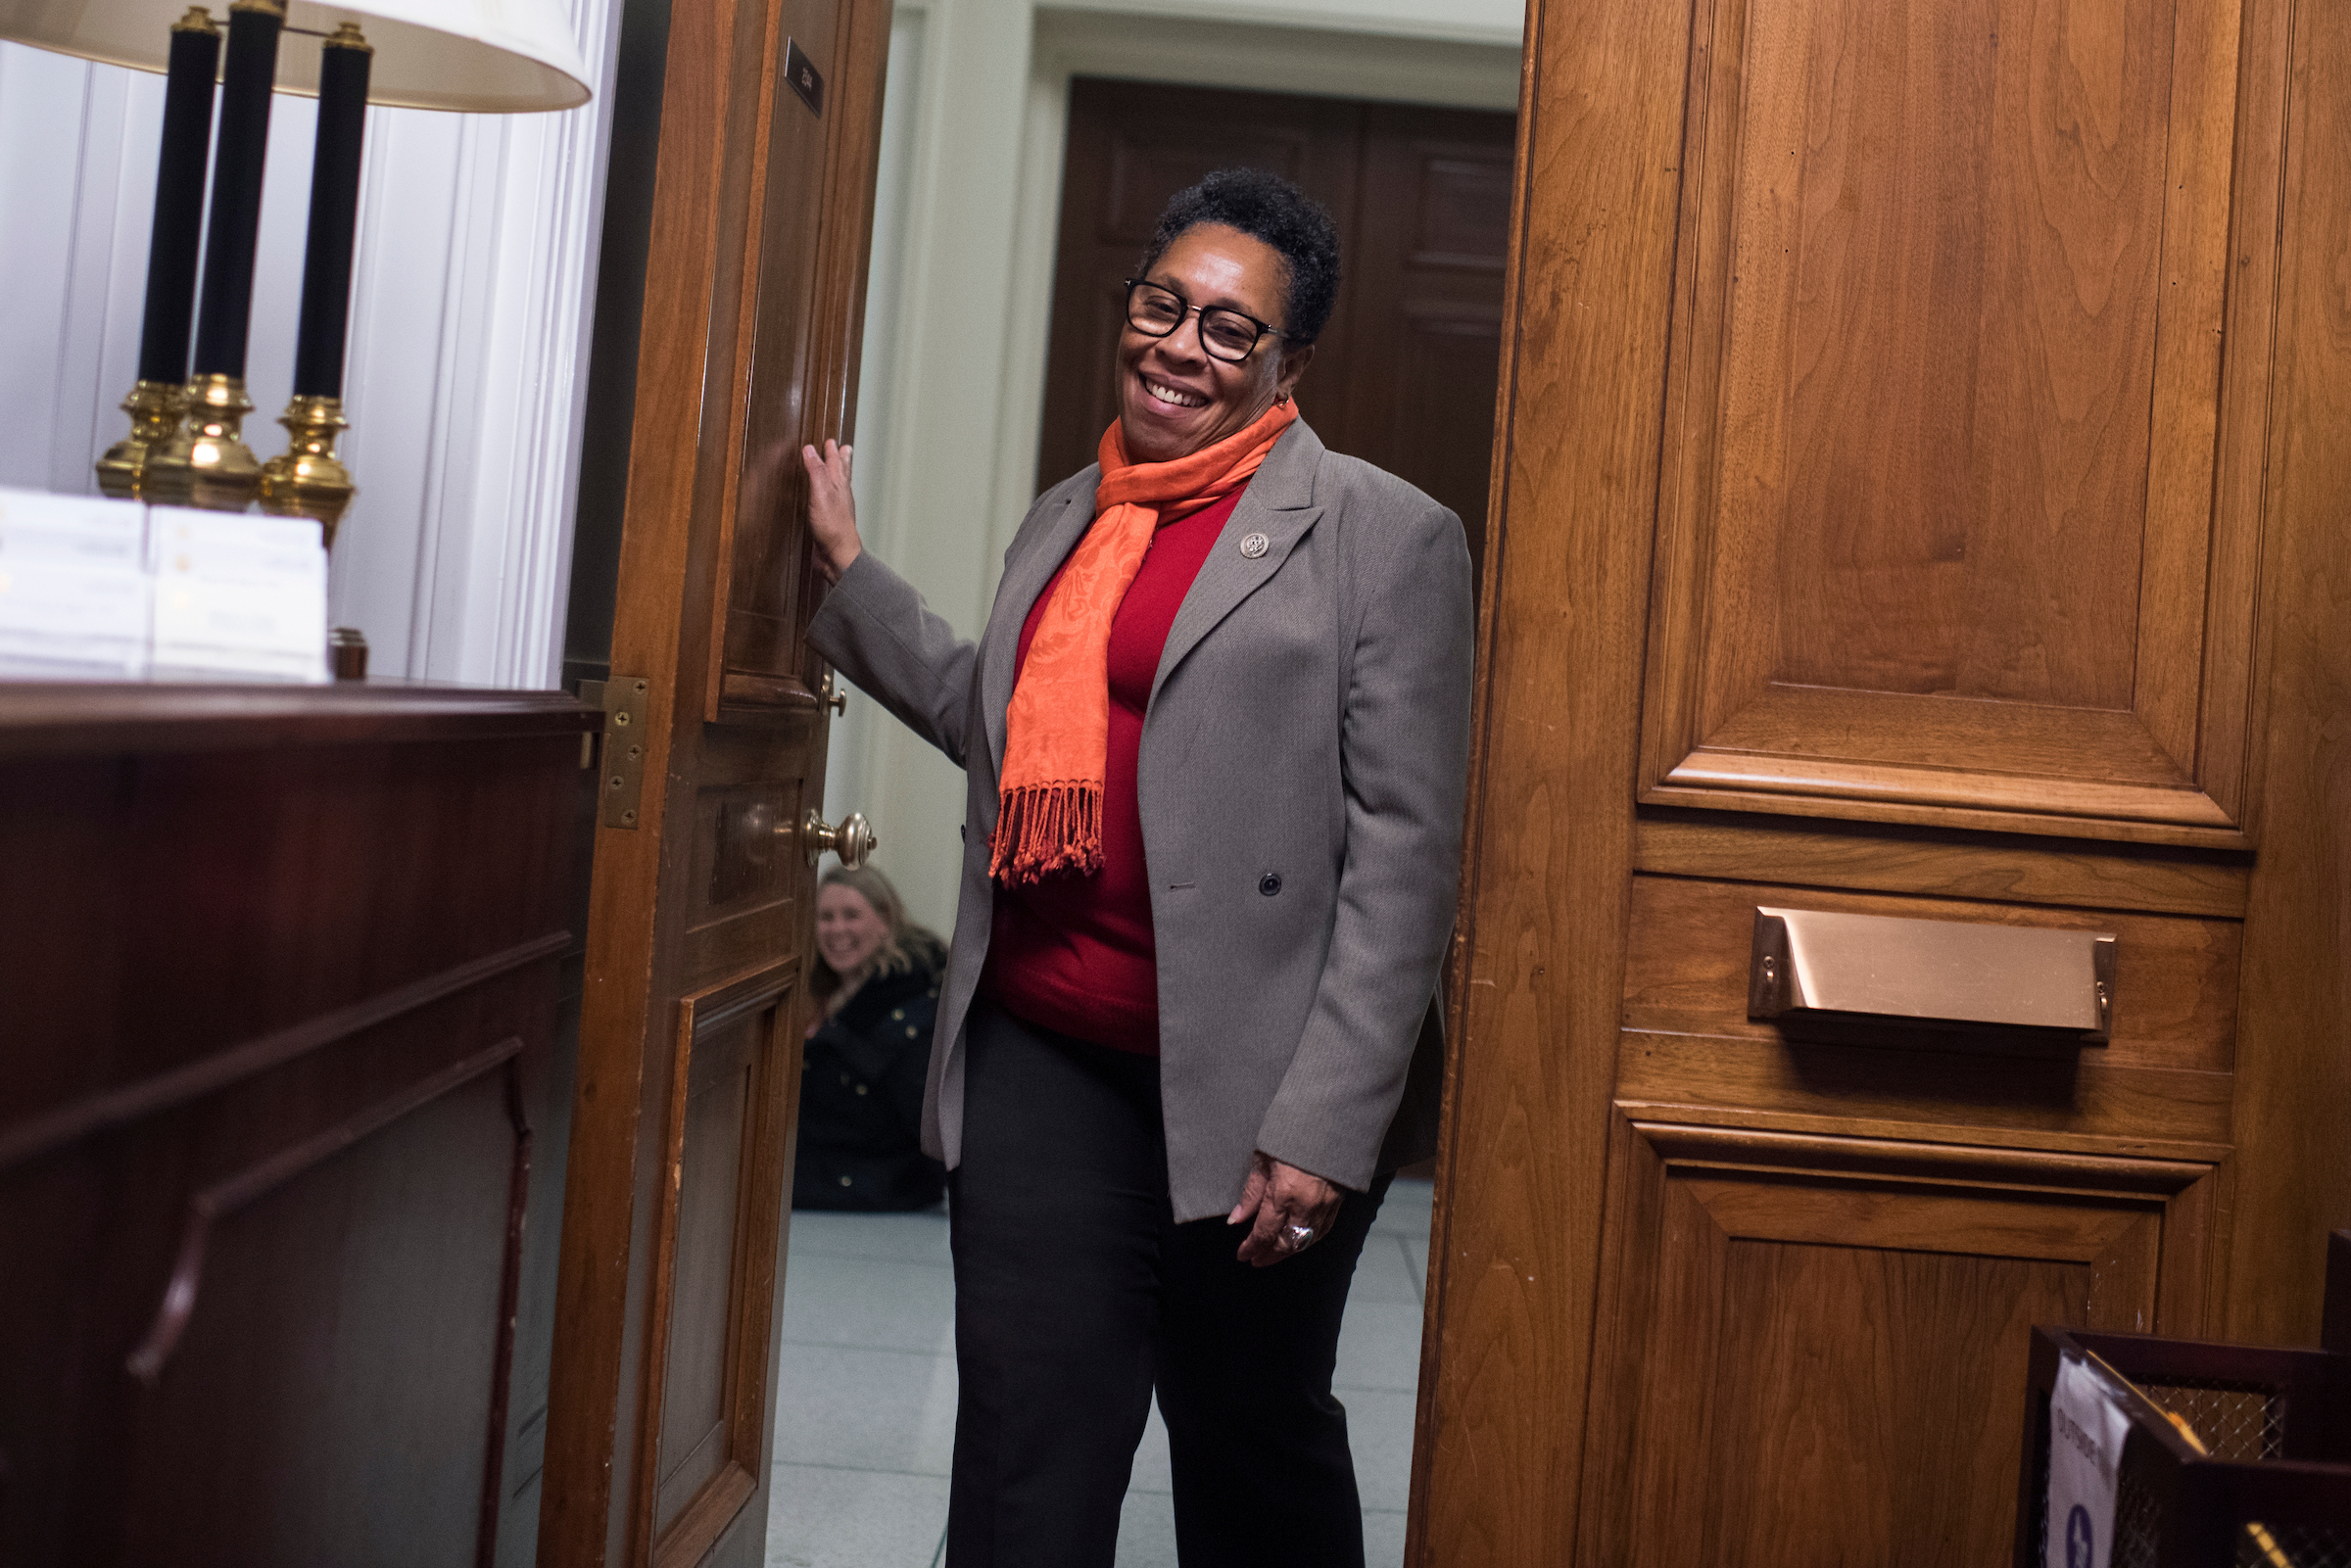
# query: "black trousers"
1077,1294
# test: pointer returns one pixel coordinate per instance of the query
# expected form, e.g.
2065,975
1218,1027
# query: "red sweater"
1076,954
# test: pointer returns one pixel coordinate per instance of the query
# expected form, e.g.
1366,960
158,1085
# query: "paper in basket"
2087,1427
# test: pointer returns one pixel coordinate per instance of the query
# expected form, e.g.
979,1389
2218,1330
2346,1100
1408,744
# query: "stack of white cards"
236,596
106,590
74,593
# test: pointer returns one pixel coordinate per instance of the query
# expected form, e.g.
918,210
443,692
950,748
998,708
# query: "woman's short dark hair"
1269,207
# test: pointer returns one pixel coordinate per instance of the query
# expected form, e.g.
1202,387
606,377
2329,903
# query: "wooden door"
1404,373
1919,494
672,1270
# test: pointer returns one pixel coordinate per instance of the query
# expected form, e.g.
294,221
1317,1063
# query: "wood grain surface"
49,720
1978,371
1947,863
1812,1349
1945,500
802,326
684,360
282,1020
1945,414
1514,1253
2294,1022
676,1210
1847,1123
2175,981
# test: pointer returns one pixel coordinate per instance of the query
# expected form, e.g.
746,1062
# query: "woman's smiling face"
1174,397
848,929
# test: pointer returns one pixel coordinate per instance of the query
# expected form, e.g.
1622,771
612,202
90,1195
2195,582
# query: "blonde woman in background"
861,1073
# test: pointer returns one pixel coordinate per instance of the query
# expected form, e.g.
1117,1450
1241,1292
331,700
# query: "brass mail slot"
1810,963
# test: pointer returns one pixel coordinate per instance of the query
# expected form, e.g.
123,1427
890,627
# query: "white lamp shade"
484,56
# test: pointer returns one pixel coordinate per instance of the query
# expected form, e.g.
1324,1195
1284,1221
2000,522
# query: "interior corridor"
865,1399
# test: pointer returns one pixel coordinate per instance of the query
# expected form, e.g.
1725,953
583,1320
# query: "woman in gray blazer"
1217,732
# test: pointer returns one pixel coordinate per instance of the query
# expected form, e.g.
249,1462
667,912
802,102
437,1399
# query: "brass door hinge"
623,699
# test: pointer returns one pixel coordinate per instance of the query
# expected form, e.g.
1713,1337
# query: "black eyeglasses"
1226,335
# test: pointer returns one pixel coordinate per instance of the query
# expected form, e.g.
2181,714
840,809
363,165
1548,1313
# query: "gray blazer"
1302,773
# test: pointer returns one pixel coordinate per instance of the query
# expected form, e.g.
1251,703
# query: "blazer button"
1269,884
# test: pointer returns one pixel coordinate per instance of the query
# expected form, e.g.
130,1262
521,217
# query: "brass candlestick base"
308,479
154,407
206,461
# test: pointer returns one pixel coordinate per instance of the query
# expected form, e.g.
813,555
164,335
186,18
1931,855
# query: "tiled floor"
866,1395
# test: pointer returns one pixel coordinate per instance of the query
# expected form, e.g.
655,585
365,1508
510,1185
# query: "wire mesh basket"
2264,1481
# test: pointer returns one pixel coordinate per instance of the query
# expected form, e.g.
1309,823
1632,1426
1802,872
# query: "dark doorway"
1404,374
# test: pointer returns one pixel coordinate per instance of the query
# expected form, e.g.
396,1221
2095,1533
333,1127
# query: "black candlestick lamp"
206,462
187,411
155,402
308,479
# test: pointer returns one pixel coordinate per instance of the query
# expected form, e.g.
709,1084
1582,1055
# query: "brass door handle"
853,840
831,697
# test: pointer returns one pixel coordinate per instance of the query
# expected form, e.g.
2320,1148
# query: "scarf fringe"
1044,829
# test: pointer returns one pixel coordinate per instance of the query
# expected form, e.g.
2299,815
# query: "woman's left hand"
1276,1198
832,509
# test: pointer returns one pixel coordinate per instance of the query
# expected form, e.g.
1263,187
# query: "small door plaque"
805,78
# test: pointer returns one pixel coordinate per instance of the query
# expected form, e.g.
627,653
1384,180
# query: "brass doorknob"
831,697
853,840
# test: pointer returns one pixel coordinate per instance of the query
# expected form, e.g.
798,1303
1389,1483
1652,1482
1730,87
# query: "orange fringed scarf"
1057,728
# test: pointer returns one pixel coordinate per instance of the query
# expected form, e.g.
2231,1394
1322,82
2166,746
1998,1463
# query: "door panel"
1920,495
746,895
800,334
716,1133
718,1293
2162,1079
678,1202
368,1275
1818,1424
1947,413
1798,1333
1425,324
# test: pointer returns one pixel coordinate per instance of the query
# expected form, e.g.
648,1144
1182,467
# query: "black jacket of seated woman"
862,1068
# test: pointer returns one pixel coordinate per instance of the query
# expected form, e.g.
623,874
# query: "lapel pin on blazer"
1255,544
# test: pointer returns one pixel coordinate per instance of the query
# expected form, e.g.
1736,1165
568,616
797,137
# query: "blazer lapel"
1278,504
1044,541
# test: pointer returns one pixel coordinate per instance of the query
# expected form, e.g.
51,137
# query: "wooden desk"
280,996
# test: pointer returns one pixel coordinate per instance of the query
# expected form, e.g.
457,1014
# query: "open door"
678,1200
1919,505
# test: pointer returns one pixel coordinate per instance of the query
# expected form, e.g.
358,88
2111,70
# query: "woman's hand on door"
832,510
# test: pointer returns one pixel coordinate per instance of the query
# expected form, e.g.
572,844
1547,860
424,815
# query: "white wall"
468,343
961,290
475,287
